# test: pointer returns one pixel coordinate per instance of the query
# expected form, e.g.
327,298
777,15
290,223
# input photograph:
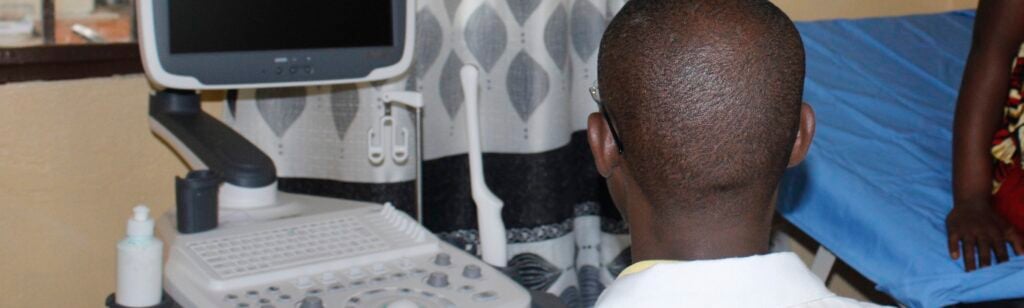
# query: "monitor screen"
204,26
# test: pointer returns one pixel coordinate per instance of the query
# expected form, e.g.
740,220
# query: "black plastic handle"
222,149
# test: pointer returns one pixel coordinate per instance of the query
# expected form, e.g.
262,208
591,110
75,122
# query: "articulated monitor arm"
207,143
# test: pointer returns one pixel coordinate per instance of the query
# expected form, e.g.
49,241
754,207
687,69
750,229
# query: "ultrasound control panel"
370,256
431,282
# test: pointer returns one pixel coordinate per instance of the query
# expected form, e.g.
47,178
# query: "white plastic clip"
400,151
400,137
374,147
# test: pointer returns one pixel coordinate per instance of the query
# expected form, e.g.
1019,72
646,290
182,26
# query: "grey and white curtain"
537,60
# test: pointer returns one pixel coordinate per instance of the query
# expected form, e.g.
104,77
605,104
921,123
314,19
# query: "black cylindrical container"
197,201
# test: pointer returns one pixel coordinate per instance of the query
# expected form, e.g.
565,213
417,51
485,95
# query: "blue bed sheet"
876,186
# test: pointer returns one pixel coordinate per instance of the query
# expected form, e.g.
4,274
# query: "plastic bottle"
139,263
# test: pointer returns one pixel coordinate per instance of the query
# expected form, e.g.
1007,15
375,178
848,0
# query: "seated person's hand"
980,231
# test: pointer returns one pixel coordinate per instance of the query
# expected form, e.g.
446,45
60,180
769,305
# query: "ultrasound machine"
234,240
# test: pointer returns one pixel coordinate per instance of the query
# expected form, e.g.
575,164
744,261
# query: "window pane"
76,22
19,20
94,21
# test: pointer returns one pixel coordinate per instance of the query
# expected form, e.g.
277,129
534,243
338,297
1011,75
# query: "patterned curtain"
537,60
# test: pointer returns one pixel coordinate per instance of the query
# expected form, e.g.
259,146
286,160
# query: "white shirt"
773,280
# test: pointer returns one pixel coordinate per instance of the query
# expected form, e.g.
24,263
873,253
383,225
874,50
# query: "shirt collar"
642,266
772,280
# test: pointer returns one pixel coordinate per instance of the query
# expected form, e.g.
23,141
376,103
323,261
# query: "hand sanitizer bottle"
139,263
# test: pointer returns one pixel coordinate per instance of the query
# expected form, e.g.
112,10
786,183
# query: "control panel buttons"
485,296
312,302
284,298
471,271
358,283
290,70
437,280
443,259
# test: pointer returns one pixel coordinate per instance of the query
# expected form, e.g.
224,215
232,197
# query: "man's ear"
804,135
602,145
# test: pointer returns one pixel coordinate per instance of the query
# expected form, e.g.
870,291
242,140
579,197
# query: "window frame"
62,62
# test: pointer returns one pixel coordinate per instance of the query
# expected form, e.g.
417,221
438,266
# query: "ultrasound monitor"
234,44
238,241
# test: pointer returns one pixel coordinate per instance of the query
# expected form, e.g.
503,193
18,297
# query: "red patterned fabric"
1008,176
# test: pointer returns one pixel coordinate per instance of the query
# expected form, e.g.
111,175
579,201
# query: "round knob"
471,271
443,259
312,302
438,280
402,303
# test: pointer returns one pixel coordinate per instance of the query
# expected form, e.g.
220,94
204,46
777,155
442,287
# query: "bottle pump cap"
140,224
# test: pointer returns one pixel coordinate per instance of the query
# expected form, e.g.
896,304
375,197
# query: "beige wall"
75,156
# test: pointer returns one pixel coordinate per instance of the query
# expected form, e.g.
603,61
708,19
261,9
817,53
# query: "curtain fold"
537,59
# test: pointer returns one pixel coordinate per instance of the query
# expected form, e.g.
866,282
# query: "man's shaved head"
706,95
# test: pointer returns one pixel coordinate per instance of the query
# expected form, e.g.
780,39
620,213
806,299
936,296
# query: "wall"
75,156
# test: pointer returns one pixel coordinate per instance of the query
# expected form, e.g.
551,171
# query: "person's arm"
998,33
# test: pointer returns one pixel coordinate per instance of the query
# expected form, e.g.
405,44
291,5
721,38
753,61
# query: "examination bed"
876,186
